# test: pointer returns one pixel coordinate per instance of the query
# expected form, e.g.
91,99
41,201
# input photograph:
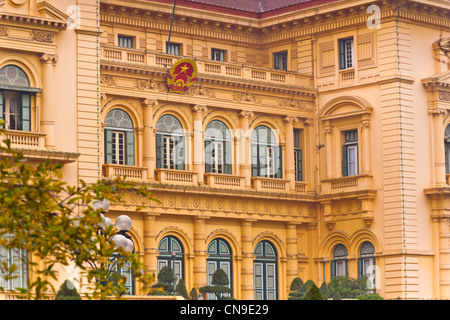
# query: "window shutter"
299,165
129,139
342,54
227,169
276,61
447,164
360,267
159,152
333,268
344,161
262,160
26,111
346,267
179,149
208,160
255,160
278,162
2,104
108,146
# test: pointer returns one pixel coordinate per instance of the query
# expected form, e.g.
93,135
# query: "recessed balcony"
24,139
179,177
133,173
270,184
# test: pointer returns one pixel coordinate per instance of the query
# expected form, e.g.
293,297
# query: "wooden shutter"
2,106
344,161
130,153
342,64
180,154
360,268
299,165
255,160
333,268
227,157
447,164
25,101
108,146
278,162
159,143
208,160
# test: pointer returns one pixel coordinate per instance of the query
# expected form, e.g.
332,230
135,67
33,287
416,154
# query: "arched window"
265,271
266,155
339,266
119,138
217,148
219,252
447,149
170,148
171,255
15,98
366,263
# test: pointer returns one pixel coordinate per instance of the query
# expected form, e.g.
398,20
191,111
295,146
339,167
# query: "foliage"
193,295
324,290
370,296
313,293
57,226
181,289
166,280
299,289
67,291
344,287
219,284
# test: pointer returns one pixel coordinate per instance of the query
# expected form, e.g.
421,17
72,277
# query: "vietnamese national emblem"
181,75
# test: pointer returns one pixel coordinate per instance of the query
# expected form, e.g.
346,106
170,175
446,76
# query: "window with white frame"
14,268
339,265
346,53
218,148
218,55
173,48
350,153
265,154
119,138
125,41
366,264
15,98
280,60
169,143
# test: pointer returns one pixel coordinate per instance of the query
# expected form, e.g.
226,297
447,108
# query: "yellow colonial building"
310,139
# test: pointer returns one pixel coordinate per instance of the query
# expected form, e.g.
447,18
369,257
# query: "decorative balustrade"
301,187
24,139
224,180
231,70
130,172
347,75
270,184
176,176
344,184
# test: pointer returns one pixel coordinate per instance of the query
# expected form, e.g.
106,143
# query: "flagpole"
171,23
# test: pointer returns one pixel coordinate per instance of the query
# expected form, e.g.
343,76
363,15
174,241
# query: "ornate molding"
246,114
291,103
290,119
246,97
53,58
199,108
201,91
4,31
142,84
107,80
444,95
42,36
150,102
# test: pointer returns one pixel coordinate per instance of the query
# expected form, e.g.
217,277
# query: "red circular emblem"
181,75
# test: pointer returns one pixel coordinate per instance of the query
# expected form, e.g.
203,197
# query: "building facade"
311,143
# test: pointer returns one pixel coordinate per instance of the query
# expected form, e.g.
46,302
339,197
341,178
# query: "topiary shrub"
219,284
67,291
370,296
344,287
324,291
313,293
181,289
166,279
193,295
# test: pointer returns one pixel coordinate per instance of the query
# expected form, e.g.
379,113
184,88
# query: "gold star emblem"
184,68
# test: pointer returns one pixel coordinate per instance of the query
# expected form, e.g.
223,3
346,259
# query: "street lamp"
121,239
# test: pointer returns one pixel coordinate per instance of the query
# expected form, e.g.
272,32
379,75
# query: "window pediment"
346,106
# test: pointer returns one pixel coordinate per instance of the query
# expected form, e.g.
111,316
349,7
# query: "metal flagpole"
171,23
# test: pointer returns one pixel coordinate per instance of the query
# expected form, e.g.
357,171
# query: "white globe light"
130,246
123,223
120,241
101,224
101,204
108,222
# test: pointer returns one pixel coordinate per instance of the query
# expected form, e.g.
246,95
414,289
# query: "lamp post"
173,253
121,239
